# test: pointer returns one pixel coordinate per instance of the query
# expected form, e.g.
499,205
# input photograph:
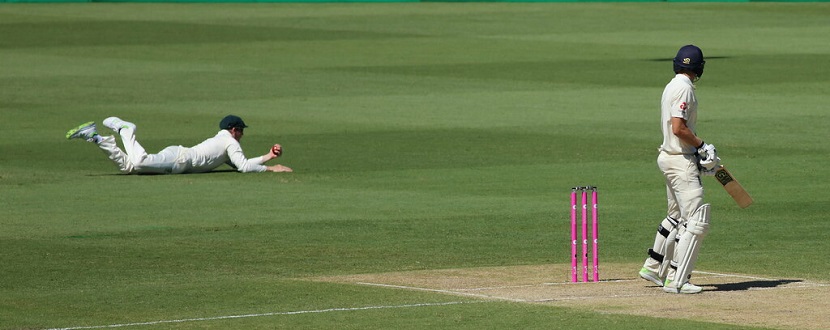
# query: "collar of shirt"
685,79
224,132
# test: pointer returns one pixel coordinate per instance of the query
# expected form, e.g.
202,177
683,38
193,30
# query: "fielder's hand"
279,168
276,150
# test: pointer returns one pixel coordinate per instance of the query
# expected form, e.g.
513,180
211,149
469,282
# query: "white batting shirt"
678,101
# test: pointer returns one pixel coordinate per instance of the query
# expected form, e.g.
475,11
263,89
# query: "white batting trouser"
684,194
134,159
684,191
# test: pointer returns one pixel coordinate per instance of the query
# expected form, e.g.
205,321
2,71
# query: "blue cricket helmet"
231,121
689,57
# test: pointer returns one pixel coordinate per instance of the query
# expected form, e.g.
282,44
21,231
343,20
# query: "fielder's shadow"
760,284
116,174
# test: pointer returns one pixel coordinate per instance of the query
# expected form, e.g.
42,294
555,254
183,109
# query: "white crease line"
588,283
598,297
500,297
440,291
214,318
556,284
545,284
736,275
465,291
804,284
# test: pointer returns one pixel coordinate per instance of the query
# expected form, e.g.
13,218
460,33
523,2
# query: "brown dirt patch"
727,298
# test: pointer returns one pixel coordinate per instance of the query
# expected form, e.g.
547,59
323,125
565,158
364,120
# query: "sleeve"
242,164
680,103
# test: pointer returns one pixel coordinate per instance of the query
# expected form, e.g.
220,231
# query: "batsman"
682,158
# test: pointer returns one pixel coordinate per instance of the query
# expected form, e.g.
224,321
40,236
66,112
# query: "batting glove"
709,165
707,151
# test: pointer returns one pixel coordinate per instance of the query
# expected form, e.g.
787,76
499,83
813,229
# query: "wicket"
594,231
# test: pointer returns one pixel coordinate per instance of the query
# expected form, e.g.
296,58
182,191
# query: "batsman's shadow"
758,284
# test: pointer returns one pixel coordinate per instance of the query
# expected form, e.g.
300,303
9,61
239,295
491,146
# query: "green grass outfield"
423,136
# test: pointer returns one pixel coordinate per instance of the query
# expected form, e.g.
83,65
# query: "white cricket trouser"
684,191
134,159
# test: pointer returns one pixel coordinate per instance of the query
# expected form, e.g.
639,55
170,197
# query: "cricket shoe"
687,288
116,124
651,276
85,131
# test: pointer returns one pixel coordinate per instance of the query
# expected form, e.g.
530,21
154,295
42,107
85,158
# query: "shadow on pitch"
227,170
743,286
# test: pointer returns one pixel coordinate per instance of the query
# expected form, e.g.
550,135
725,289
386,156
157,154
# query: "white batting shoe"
653,277
85,131
116,124
687,288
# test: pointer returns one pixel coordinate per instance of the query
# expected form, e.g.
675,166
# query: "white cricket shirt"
222,149
678,101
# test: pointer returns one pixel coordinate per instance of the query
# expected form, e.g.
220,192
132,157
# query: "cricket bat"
732,187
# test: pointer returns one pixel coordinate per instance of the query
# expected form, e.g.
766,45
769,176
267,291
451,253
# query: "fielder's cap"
231,121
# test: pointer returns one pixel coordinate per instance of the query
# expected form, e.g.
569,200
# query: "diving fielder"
683,156
221,149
